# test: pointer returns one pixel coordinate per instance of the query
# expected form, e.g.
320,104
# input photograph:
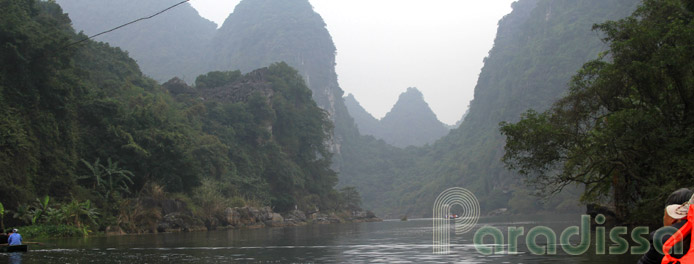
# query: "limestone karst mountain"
409,123
172,44
538,48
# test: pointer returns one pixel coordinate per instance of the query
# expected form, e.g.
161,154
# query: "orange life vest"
686,229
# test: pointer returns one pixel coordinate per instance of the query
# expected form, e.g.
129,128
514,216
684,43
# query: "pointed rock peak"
411,122
262,32
266,9
274,3
411,100
411,95
413,91
411,106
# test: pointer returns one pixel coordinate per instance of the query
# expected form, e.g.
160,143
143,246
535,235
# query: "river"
380,242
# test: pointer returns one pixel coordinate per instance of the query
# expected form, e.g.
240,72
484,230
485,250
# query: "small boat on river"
17,248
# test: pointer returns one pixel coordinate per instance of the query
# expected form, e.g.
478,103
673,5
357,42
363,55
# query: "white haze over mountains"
386,46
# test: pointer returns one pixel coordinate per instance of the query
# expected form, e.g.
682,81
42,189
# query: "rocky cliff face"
262,32
538,48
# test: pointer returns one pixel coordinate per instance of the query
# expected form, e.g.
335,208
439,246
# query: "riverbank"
161,214
176,217
234,218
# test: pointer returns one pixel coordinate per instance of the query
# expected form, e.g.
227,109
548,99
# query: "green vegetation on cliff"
273,136
258,33
81,124
624,131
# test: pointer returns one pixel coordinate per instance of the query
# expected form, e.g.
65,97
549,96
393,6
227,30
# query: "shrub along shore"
155,211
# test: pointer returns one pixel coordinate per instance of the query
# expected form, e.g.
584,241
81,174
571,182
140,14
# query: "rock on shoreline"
251,217
178,218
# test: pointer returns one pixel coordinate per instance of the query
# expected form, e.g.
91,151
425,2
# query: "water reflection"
385,242
15,258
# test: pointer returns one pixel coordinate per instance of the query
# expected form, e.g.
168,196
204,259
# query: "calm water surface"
383,242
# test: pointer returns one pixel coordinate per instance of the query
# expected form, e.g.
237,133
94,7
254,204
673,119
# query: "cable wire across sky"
126,24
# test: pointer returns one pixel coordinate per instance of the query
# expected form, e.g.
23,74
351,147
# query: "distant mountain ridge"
410,122
539,46
366,123
172,44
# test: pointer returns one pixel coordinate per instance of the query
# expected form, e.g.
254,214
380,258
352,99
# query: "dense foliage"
626,128
409,123
275,138
81,124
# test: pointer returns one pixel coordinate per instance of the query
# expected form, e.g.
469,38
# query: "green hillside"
82,125
624,129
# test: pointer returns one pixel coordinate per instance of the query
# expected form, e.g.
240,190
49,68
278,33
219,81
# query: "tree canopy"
626,128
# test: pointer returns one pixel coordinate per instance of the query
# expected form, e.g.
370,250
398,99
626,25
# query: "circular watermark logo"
442,216
470,214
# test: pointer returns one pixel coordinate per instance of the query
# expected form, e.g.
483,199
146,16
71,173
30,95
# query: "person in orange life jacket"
675,215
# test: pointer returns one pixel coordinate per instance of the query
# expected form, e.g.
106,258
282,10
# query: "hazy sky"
385,46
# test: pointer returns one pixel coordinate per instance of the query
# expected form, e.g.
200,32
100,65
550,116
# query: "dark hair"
679,197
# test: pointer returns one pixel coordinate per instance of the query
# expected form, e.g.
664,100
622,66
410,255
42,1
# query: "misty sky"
385,46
